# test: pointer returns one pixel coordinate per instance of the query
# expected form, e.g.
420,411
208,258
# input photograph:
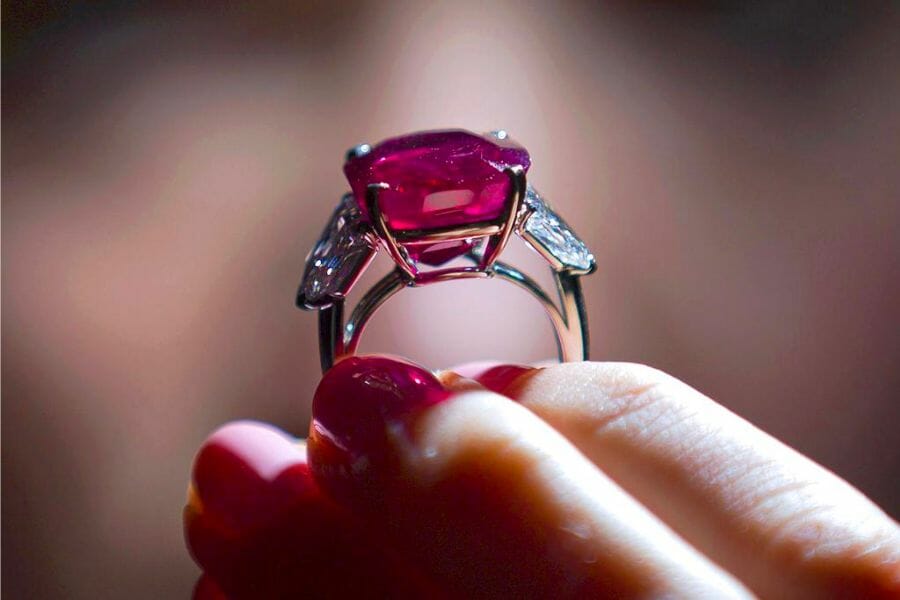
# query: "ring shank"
569,319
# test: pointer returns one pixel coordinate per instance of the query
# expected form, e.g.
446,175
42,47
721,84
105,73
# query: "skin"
575,480
779,522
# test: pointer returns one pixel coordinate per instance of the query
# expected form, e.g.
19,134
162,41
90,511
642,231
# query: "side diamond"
546,232
337,259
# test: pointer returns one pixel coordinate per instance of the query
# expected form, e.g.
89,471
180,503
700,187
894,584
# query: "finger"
207,589
260,526
480,376
485,496
491,375
784,525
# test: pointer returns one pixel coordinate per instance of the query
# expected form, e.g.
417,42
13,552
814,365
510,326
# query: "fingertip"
207,589
506,379
246,473
501,378
259,526
456,383
359,406
472,370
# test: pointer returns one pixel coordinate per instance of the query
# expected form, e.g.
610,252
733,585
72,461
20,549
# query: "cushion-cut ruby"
437,179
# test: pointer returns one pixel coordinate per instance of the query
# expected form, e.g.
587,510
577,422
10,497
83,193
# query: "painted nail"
247,473
207,589
497,377
360,404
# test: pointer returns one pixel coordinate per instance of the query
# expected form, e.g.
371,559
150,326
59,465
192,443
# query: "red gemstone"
437,179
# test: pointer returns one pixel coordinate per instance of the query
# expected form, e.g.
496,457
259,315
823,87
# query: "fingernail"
499,378
207,589
246,474
360,404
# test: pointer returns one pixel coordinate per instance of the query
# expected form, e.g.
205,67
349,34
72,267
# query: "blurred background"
733,165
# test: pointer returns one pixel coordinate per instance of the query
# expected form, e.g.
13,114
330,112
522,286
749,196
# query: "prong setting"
507,222
357,151
379,223
497,231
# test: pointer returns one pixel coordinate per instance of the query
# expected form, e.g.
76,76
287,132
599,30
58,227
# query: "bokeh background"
734,165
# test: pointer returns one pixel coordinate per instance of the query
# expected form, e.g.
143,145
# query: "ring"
435,198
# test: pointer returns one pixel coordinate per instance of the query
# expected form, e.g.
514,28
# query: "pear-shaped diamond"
551,236
338,258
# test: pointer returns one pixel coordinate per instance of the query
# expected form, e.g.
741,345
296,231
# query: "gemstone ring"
436,199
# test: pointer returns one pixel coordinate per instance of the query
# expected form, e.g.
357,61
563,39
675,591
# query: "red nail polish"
247,473
502,379
358,404
207,589
471,370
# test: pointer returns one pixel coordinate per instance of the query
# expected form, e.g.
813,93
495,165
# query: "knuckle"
640,400
603,400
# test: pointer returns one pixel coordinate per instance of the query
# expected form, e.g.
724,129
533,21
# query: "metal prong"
452,233
379,223
300,299
357,151
499,134
517,186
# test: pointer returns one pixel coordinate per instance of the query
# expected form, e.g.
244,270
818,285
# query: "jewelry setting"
428,198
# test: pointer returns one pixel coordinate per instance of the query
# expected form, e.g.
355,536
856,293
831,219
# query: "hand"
576,480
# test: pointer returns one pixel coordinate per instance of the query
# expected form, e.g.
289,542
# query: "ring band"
428,199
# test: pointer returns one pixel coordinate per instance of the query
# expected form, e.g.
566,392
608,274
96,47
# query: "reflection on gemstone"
546,232
338,258
447,200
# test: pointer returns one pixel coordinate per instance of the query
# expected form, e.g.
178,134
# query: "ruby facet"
437,179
